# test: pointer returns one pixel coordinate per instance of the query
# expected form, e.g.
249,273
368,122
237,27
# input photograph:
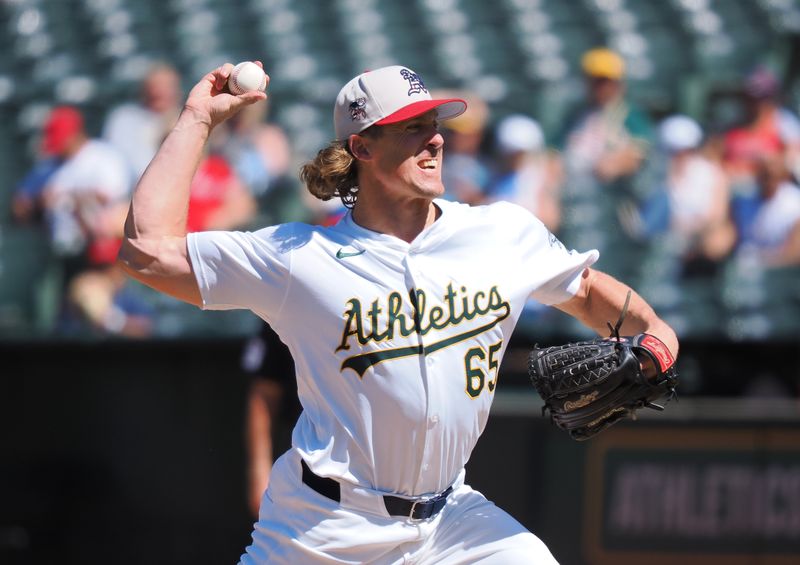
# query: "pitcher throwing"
397,318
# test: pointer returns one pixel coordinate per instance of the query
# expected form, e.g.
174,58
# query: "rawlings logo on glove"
590,385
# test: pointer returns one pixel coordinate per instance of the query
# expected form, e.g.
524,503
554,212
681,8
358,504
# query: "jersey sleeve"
249,270
552,272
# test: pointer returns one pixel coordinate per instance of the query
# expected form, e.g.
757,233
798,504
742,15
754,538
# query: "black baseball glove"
589,385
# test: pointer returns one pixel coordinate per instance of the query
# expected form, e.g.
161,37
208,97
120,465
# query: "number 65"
476,376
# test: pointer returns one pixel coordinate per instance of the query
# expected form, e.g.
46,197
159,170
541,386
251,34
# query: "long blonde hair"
334,171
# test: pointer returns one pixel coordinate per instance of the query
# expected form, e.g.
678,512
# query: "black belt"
395,506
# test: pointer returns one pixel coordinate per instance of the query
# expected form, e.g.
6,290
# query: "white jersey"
136,132
397,345
96,169
776,218
692,194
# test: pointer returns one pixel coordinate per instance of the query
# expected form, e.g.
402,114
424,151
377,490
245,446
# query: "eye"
414,127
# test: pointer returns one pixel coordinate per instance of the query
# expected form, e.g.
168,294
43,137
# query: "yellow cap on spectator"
603,63
474,119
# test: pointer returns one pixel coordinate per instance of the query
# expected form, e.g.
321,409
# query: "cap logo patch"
358,109
415,83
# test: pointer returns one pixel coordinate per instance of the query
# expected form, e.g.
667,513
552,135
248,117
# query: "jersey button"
435,419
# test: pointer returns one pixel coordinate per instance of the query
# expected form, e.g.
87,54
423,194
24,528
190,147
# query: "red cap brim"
447,108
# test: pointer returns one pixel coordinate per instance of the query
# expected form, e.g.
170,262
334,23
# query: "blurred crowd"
675,205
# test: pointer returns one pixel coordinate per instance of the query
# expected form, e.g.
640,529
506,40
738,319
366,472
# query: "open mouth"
428,164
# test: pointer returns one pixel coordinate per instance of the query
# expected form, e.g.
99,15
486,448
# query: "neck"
74,146
403,219
765,113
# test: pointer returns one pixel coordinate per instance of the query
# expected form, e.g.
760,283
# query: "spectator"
85,202
87,195
464,172
609,138
27,204
137,129
691,202
261,157
272,408
258,151
768,222
103,301
769,130
218,199
527,174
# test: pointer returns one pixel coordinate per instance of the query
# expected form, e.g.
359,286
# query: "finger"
260,64
251,97
239,101
221,76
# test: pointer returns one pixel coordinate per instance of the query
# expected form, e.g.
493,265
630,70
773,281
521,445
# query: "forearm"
161,199
600,301
621,162
259,430
258,441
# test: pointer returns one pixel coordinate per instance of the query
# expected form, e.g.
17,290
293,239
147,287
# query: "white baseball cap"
517,133
386,96
679,133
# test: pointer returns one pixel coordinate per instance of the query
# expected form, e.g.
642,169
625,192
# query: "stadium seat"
25,274
524,54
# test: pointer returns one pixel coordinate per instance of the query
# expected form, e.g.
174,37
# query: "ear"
358,147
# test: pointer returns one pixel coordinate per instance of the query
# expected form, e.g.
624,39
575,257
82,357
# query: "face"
162,90
603,90
406,158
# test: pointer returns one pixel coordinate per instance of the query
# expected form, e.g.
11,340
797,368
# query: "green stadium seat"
534,49
26,276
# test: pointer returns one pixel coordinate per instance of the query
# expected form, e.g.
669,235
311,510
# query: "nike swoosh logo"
341,254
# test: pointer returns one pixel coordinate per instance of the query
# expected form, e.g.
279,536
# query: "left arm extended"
599,301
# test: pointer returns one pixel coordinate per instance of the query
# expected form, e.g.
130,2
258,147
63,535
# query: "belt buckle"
414,508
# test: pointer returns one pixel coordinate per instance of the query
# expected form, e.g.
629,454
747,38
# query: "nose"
436,141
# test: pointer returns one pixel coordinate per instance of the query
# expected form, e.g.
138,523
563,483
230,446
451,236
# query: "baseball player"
397,318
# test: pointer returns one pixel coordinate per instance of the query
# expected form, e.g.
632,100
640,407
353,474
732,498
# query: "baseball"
247,76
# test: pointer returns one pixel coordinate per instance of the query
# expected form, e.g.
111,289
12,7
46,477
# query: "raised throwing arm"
154,245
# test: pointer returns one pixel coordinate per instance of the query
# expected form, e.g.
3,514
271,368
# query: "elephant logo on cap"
358,109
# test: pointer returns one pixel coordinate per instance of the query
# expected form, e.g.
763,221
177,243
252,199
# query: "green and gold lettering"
352,325
421,319
395,304
437,313
374,319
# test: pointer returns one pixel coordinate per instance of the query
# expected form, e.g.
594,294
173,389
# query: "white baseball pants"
298,526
